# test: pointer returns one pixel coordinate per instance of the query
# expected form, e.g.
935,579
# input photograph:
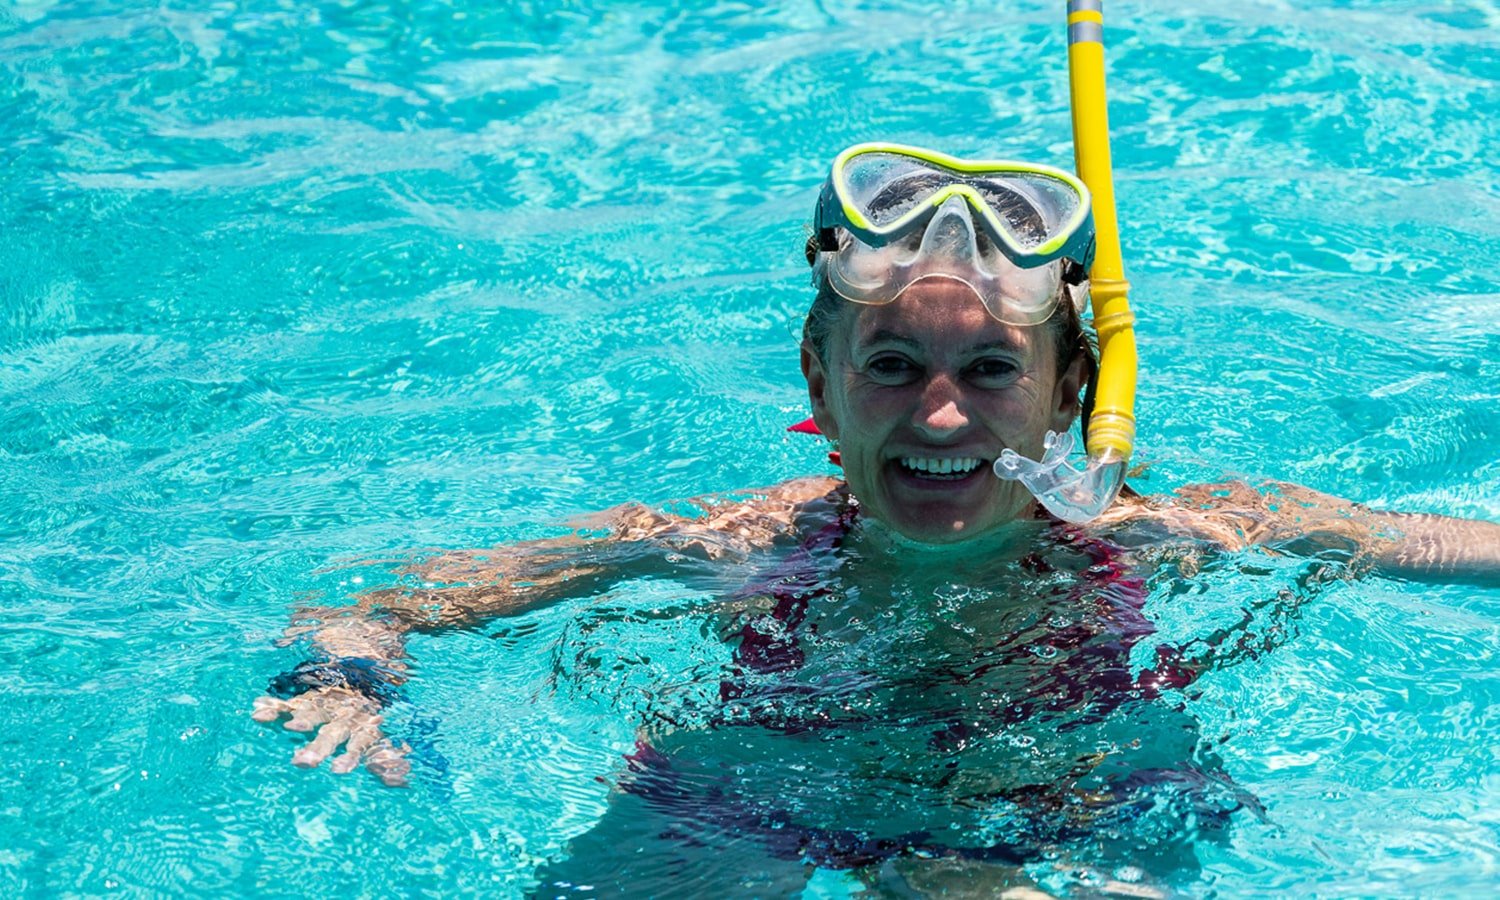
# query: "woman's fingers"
330,737
344,719
341,718
269,709
385,760
306,718
388,762
360,740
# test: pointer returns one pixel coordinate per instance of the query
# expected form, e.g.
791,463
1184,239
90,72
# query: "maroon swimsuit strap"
793,584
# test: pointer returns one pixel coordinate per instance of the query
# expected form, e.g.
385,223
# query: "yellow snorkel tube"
1067,492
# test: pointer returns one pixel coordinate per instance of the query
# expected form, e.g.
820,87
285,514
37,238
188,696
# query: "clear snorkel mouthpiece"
1068,493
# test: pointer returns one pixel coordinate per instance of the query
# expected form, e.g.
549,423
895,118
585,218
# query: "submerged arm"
360,650
1298,520
465,588
1424,544
358,660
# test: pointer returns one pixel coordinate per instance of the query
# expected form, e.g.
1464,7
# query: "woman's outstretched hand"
342,718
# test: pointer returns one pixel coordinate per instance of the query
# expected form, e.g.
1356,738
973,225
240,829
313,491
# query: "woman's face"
923,393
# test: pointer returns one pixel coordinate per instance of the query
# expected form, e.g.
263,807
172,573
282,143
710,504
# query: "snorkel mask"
1019,236
890,216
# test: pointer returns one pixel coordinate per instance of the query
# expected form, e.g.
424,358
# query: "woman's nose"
941,412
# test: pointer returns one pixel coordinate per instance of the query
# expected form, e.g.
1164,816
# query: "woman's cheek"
870,404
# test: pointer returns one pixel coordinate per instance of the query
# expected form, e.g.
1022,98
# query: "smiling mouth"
940,469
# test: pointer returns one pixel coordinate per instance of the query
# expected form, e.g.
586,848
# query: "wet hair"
1071,339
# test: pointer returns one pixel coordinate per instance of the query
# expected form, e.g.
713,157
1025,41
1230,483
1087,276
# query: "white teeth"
947,466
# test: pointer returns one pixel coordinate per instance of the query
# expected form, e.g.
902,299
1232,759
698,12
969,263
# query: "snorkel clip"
1071,494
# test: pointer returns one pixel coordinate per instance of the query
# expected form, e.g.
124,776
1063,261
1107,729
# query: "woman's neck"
1010,541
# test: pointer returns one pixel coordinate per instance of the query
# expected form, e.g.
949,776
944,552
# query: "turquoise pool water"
292,291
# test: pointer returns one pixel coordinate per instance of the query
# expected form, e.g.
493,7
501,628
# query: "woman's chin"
951,513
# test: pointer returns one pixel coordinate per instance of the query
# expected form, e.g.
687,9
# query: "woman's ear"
1065,403
817,391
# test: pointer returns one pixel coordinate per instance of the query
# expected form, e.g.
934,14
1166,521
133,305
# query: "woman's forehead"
943,322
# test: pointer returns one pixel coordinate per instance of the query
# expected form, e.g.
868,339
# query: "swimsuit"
1095,682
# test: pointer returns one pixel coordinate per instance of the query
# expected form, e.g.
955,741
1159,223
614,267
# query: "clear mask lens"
1029,208
949,247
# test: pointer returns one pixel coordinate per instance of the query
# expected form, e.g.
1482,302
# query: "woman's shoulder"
734,523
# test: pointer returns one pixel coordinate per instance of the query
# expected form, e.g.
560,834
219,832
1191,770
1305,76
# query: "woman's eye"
891,366
994,369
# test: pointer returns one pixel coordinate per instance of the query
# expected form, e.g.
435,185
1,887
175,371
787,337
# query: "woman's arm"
359,651
1295,519
462,589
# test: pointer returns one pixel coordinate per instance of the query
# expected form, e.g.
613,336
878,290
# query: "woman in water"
877,714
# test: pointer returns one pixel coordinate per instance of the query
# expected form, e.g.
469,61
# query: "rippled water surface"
290,292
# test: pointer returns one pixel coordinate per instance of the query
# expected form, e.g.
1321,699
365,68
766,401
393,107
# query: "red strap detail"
808,426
